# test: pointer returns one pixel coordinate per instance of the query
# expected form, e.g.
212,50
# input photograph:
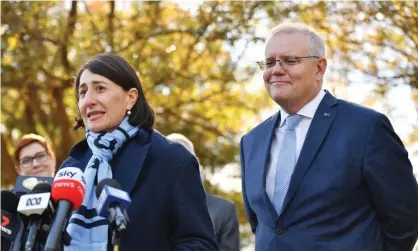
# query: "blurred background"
197,64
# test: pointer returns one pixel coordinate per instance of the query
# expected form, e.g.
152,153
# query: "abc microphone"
112,203
10,222
25,184
68,191
37,206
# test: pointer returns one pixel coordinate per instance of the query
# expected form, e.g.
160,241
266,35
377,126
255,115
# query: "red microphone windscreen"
69,185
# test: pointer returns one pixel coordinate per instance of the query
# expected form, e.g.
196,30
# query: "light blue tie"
286,161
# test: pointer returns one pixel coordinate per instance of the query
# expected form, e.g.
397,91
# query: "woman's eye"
82,93
100,88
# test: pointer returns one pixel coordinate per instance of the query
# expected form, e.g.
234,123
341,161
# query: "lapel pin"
327,114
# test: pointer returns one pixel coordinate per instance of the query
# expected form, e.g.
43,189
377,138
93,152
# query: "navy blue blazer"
352,188
169,209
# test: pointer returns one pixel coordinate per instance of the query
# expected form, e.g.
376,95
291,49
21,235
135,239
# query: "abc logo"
34,201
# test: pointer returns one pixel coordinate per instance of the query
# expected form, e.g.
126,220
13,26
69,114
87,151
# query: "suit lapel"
264,144
322,120
128,165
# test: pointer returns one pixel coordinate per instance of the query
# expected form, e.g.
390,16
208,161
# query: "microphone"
112,203
39,209
25,184
10,222
68,191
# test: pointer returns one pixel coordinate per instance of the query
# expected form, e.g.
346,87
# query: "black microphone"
112,203
10,221
39,209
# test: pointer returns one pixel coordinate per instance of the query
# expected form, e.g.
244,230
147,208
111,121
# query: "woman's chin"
102,126
43,173
96,128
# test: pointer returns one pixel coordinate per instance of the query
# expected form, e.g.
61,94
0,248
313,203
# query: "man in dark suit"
323,173
222,212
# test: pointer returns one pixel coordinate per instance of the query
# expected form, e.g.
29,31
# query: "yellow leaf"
12,41
7,60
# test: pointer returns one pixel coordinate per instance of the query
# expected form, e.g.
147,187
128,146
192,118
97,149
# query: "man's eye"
100,88
270,63
290,60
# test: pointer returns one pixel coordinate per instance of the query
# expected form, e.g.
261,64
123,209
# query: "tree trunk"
8,173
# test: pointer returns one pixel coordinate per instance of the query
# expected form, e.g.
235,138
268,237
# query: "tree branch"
110,25
152,35
72,16
93,24
51,75
203,125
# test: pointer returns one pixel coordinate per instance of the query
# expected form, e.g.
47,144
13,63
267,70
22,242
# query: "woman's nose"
35,163
89,99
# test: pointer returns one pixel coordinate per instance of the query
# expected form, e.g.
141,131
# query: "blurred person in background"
323,173
33,156
168,209
223,212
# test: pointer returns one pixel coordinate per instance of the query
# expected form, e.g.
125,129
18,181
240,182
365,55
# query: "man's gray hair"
182,140
316,43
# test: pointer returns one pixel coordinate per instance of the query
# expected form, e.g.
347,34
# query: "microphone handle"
18,238
118,219
58,226
34,226
121,221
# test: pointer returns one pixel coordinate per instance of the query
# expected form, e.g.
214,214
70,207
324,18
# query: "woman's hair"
118,70
29,139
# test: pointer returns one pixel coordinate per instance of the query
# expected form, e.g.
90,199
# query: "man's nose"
278,69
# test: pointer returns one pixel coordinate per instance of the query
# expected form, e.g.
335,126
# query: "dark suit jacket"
168,209
225,221
352,187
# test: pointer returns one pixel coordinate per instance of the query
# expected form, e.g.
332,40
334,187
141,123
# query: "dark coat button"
279,230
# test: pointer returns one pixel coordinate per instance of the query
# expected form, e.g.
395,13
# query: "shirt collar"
307,111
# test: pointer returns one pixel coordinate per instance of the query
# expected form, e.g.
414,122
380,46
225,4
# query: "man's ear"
132,97
321,68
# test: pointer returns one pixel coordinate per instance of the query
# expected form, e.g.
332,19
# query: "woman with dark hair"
168,209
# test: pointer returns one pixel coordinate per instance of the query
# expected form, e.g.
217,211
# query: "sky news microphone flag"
68,190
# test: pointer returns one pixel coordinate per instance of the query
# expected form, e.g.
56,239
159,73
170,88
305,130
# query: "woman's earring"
128,112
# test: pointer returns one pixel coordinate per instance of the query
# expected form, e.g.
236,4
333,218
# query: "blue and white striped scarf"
87,230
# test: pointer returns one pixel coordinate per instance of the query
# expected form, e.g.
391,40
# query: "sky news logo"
70,173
